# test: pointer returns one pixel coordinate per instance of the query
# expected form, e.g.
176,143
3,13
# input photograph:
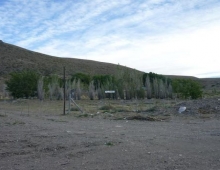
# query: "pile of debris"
200,106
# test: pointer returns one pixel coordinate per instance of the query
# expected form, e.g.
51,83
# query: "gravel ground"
39,142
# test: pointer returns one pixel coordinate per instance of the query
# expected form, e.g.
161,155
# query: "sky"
170,37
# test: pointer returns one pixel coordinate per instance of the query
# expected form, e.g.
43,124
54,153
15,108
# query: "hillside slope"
14,58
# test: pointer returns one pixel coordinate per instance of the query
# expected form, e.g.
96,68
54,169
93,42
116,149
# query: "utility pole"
64,91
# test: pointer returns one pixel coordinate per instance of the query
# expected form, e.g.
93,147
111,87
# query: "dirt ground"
36,138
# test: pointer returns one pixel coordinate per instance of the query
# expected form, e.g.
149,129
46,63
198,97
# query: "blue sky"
172,37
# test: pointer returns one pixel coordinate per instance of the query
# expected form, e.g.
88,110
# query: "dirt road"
51,142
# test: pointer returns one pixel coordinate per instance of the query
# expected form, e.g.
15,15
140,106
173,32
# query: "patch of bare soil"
202,107
51,141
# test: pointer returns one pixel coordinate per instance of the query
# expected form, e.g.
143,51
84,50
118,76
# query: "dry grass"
107,109
24,106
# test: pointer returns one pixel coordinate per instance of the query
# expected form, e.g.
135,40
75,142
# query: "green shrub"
23,84
187,88
84,78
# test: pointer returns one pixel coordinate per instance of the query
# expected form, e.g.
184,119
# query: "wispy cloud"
163,36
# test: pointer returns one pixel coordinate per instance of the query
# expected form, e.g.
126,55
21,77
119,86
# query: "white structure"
182,109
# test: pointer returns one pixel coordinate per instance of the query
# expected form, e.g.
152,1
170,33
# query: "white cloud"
167,37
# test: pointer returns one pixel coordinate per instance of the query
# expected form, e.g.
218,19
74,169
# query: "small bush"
83,115
139,117
109,144
107,107
3,115
74,109
152,109
122,110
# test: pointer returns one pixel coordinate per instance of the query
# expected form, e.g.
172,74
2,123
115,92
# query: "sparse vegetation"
3,115
140,117
18,123
109,144
152,109
83,115
44,120
107,107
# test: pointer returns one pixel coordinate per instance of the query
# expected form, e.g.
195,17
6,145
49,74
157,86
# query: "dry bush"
91,91
148,87
107,107
40,88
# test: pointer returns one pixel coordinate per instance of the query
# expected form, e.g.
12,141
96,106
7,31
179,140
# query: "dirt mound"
202,106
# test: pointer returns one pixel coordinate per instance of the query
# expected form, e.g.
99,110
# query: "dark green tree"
84,78
152,76
102,80
186,88
23,84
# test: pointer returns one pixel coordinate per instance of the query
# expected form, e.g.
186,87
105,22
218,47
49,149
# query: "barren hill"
14,58
182,77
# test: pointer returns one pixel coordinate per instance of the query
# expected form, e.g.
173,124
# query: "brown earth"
37,136
14,58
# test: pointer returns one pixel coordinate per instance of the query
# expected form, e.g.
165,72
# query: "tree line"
127,84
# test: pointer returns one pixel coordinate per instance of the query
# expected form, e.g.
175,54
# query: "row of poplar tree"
127,84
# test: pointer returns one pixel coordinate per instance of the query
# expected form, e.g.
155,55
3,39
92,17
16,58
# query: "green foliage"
23,84
52,86
148,87
129,83
40,88
141,93
84,78
51,79
153,76
102,80
187,88
109,144
157,86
